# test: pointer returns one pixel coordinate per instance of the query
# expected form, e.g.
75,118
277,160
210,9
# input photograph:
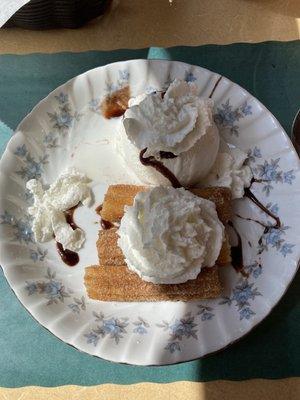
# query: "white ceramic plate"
67,129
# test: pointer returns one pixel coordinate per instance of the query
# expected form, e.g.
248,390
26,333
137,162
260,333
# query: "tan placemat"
144,23
287,389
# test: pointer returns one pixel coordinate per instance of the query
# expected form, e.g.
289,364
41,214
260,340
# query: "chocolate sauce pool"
115,104
69,257
237,260
106,224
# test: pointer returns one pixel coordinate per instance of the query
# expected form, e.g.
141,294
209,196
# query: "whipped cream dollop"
70,188
169,234
178,122
230,170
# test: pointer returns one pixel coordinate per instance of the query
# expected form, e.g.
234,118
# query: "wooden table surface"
144,23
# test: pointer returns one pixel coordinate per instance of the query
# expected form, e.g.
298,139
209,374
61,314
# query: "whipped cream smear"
49,205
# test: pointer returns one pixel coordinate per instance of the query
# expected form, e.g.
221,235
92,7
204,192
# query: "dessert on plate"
168,246
116,312
166,239
176,128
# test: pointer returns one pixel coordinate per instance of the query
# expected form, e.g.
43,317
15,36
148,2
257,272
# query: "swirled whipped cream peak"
169,234
177,122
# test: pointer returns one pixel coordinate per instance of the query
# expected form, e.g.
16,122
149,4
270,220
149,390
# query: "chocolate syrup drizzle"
267,227
237,253
167,154
103,222
106,224
251,196
69,214
215,87
69,257
160,167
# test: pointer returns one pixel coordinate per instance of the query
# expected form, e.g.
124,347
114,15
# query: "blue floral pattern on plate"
141,326
22,233
78,305
227,116
33,168
50,140
62,119
275,237
123,78
114,328
38,254
255,269
179,329
52,289
269,171
241,296
189,76
205,312
21,227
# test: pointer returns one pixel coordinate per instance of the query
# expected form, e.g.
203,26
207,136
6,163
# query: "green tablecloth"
30,355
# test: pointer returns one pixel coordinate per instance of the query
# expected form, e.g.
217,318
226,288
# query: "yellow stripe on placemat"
260,389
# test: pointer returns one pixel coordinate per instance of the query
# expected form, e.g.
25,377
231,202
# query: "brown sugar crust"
117,196
110,283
